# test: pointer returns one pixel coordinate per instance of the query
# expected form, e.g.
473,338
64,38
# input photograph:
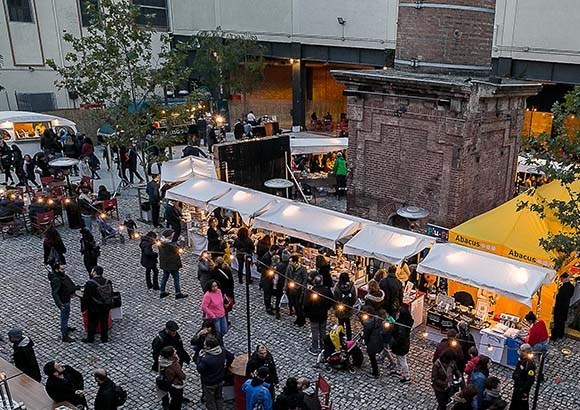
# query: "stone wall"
88,121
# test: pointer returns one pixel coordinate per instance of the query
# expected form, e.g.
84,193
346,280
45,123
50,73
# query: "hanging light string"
388,322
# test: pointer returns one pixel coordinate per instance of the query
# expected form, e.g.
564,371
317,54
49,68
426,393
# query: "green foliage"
561,153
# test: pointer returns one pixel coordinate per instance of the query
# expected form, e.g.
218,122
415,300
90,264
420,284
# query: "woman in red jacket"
538,334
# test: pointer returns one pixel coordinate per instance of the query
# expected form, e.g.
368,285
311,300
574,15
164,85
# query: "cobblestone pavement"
27,303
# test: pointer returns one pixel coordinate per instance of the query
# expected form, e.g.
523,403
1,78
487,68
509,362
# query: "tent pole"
297,186
286,170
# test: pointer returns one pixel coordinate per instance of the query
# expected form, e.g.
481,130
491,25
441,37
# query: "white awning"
317,145
199,191
247,202
178,170
308,222
513,279
387,243
530,166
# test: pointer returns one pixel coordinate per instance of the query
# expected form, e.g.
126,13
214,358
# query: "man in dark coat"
64,384
132,165
297,278
173,219
211,365
170,264
24,356
169,337
524,376
317,301
97,300
149,260
263,358
107,395
238,129
62,289
373,337
154,199
402,342
450,342
393,289
561,307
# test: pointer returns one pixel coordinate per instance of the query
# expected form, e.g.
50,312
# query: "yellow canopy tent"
516,234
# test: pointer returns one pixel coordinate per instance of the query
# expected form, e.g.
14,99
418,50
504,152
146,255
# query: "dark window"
153,12
85,14
36,102
19,10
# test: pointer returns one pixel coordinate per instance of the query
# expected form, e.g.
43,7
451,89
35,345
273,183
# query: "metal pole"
539,380
248,327
286,170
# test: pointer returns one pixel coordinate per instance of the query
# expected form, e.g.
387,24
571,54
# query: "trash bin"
512,346
238,369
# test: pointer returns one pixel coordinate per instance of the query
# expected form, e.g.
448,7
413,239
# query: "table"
279,184
9,369
64,162
272,128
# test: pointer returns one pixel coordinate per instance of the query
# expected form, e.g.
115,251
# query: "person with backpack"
345,296
89,249
53,247
211,365
257,391
393,289
169,337
109,396
62,288
97,300
170,380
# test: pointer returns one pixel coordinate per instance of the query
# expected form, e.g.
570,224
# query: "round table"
67,163
279,184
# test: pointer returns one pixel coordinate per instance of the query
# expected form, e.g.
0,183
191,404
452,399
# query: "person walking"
64,383
317,301
244,252
479,376
561,307
28,169
23,356
205,267
257,391
169,336
262,358
222,274
170,264
18,162
212,365
62,288
212,306
170,370
296,279
393,289
173,219
6,162
97,300
53,247
340,171
523,376
152,191
149,260
132,165
89,249
344,294
443,373
373,337
402,343
109,396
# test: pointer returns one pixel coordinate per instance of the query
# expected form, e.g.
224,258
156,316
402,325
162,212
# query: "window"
36,102
19,10
85,14
153,12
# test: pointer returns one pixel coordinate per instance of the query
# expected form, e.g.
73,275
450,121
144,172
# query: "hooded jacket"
402,333
373,335
64,389
376,301
257,392
25,358
172,371
345,293
148,255
393,289
169,258
212,365
256,362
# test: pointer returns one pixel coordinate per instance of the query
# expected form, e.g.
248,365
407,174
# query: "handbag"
284,299
228,303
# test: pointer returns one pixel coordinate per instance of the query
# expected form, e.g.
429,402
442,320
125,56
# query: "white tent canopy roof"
513,279
308,222
387,243
25,116
199,191
317,145
247,202
178,170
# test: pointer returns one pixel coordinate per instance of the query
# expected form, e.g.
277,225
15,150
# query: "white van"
25,128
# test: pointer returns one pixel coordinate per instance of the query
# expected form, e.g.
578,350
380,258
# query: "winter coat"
90,249
198,342
91,296
376,301
373,335
169,258
256,362
214,241
244,246
324,271
340,166
164,339
152,191
204,274
87,150
298,275
25,358
345,293
212,304
172,371
524,374
478,380
60,294
212,365
492,400
466,341
442,375
311,400
393,289
64,389
317,309
257,392
223,275
402,333
106,397
444,345
290,401
459,403
172,215
148,255
58,246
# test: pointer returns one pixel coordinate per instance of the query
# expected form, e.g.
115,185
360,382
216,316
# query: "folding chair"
42,222
110,206
323,391
45,182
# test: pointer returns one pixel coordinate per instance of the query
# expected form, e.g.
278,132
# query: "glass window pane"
20,10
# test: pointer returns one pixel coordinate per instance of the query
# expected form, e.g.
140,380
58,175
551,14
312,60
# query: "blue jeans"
88,222
64,316
221,325
165,277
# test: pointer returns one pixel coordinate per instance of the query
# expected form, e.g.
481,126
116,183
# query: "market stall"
247,203
491,278
178,170
299,146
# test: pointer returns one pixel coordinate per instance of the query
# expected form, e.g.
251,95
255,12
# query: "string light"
340,307
39,200
157,243
271,272
67,201
180,250
121,227
364,316
291,285
425,334
50,201
530,356
454,343
387,325
314,296
103,215
136,236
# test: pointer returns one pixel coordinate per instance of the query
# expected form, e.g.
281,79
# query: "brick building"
436,132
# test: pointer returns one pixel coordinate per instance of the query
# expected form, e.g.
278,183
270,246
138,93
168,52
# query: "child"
131,227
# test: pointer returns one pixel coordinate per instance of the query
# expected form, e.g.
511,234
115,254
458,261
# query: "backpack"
105,292
120,396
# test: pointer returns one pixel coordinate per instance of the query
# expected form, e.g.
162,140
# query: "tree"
115,62
228,63
560,155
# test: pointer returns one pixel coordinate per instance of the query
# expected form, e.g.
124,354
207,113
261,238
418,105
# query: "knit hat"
171,325
15,333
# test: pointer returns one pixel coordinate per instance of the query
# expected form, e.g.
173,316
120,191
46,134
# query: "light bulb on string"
291,285
425,334
314,296
530,356
121,227
103,215
387,325
454,343
271,272
67,201
340,307
364,316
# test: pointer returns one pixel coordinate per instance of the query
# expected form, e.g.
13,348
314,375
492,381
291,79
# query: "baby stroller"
339,353
108,232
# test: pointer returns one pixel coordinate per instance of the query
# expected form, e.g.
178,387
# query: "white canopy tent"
199,191
513,279
317,145
178,170
387,243
247,202
308,222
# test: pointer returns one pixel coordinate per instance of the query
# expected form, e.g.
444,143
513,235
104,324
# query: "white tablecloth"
197,242
253,270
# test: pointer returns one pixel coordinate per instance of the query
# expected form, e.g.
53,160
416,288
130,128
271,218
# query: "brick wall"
88,121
